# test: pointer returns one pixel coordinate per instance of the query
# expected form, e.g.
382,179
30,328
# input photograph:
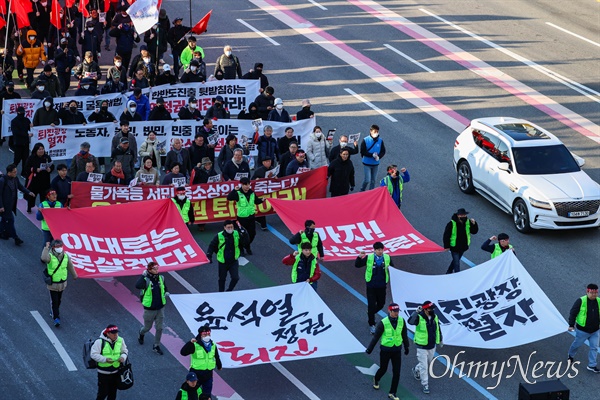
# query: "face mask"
181,196
280,106
104,108
124,14
31,37
58,250
218,105
47,104
132,109
147,60
374,135
192,105
90,29
118,63
73,109
318,134
206,339
228,53
193,68
343,144
230,231
41,88
86,87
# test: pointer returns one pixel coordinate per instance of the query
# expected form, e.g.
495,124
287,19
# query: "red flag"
159,4
2,23
202,25
70,3
106,5
83,8
21,8
55,15
3,8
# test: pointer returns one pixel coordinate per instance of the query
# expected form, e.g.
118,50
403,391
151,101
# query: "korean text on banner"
495,305
350,224
276,324
101,249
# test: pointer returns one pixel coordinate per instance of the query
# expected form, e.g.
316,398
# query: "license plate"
578,214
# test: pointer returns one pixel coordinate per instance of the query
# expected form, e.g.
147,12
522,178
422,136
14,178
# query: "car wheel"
521,216
464,178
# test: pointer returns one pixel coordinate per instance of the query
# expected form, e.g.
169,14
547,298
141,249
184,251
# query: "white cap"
278,101
166,67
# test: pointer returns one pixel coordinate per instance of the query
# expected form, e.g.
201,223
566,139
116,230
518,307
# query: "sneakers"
57,324
393,396
375,384
18,241
593,369
426,389
141,339
416,373
156,348
372,329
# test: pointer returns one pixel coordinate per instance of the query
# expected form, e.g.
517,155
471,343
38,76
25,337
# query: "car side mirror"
580,161
504,166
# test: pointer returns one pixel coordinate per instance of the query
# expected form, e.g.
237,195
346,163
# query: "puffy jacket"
31,51
316,151
143,106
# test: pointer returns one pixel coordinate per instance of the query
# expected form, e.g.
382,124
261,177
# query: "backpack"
88,361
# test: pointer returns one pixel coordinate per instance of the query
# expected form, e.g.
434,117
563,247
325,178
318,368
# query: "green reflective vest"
184,394
498,250
313,242
221,250
453,235
371,262
147,293
313,267
582,316
61,273
390,185
185,210
46,204
421,337
202,360
391,337
113,352
245,207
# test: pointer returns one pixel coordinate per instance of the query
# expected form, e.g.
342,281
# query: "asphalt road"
305,64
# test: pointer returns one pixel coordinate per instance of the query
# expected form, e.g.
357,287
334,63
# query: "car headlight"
540,204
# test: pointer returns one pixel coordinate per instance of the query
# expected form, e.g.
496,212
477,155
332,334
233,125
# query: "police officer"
153,294
246,201
584,319
457,237
428,335
184,206
497,248
309,235
110,352
228,244
377,277
204,359
392,331
58,263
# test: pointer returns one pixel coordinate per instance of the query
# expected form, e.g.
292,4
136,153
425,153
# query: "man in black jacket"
190,111
159,112
457,237
341,173
9,185
70,115
175,37
246,201
228,245
335,150
584,319
20,130
265,102
47,114
203,343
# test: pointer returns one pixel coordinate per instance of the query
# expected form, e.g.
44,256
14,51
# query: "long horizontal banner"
350,224
98,249
261,326
208,200
237,95
495,305
63,141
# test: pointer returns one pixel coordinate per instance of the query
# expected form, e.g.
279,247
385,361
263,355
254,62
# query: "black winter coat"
342,176
20,130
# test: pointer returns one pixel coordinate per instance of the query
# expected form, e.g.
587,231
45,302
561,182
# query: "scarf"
207,346
179,155
237,163
120,175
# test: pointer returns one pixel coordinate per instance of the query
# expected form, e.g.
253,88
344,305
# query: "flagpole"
190,14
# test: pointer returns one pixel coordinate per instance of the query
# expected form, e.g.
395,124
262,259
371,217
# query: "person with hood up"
257,73
317,149
341,173
204,359
279,114
20,128
251,113
47,114
38,90
126,36
58,267
159,112
217,110
166,77
87,87
102,114
110,352
31,53
51,82
142,103
38,168
226,154
70,115
305,112
130,114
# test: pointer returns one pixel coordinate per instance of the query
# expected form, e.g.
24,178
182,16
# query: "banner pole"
191,14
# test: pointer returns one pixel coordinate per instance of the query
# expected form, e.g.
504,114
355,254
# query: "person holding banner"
153,294
305,267
309,235
159,112
190,111
184,205
130,113
102,114
584,320
298,165
457,237
377,276
393,334
229,246
50,202
497,248
116,176
394,182
236,168
70,115
203,172
428,335
246,201
58,267
204,359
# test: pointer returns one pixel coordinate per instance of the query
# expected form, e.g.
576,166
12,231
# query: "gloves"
368,351
406,351
351,188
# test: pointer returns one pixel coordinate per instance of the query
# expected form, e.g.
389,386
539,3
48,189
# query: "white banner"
495,305
144,14
237,94
275,324
63,141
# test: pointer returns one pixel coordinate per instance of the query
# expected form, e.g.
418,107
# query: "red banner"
122,240
209,200
350,224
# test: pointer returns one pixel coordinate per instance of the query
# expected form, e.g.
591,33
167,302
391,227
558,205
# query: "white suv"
526,171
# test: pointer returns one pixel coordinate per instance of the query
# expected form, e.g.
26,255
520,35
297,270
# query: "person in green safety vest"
305,267
309,235
584,319
229,245
497,248
394,182
153,294
58,266
188,390
204,359
184,206
457,237
246,201
377,278
428,335
110,352
393,334
50,202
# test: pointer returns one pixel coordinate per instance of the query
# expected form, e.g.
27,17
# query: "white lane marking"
317,4
183,282
54,340
243,261
241,21
578,87
573,34
373,106
371,371
307,392
409,58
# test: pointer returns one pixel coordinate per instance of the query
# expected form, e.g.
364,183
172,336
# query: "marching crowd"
54,46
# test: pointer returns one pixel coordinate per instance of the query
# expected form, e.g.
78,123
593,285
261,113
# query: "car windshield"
544,160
